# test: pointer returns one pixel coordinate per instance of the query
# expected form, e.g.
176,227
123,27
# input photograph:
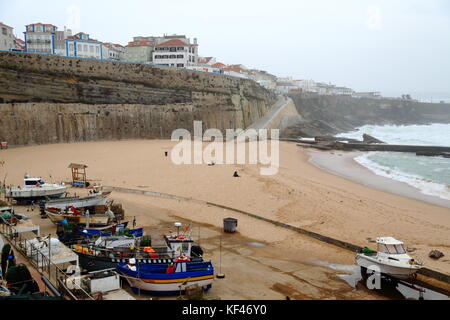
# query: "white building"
40,38
176,53
306,85
285,87
113,51
81,45
204,68
60,41
6,37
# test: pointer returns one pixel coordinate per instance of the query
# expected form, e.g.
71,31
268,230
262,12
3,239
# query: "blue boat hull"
152,279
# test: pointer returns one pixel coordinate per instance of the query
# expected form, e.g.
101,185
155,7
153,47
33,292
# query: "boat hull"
26,195
393,271
95,263
165,284
94,220
84,202
172,289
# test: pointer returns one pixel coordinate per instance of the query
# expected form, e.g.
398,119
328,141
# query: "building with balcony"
40,38
6,37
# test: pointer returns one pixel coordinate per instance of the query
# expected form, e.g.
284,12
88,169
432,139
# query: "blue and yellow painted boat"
155,279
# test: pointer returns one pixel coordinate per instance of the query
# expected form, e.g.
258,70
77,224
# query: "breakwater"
330,115
49,99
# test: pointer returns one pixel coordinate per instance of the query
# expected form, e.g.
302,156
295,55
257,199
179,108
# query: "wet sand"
300,194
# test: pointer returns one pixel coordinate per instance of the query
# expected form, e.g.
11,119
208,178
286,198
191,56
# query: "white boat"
391,259
35,189
94,199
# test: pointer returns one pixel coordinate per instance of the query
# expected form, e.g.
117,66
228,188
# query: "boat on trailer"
156,279
391,259
35,189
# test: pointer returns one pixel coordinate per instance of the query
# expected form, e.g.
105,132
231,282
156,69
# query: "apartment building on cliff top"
6,37
40,38
180,53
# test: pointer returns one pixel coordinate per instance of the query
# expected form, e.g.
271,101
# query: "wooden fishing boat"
162,250
94,199
58,217
156,279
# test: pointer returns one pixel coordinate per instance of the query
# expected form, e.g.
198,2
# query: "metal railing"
44,265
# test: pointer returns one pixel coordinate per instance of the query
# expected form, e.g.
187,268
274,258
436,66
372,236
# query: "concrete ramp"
282,115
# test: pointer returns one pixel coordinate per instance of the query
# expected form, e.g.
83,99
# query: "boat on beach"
35,189
391,259
76,217
78,202
96,198
107,252
160,279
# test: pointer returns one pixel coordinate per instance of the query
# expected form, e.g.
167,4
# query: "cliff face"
47,99
328,115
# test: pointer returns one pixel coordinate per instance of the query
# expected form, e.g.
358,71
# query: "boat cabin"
115,242
180,244
389,245
32,182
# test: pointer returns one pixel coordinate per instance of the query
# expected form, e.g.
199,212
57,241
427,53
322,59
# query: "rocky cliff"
46,99
328,115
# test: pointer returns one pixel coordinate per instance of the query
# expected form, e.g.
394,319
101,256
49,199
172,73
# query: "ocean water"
431,175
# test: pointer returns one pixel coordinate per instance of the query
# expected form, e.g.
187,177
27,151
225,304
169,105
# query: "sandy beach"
300,194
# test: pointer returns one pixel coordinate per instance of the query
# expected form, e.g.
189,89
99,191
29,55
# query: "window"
180,65
172,56
96,50
71,46
173,49
4,31
180,56
86,48
391,248
91,49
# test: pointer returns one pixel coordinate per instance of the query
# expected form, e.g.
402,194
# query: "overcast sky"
395,47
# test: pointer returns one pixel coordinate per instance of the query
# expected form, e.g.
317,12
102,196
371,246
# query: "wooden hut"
78,175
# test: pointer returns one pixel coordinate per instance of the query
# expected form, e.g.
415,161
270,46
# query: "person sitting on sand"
236,175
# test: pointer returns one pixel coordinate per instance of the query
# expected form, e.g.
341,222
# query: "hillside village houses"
167,50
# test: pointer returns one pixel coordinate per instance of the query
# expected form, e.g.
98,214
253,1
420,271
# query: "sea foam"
431,175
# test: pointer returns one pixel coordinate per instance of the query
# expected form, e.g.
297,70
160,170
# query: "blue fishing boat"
165,280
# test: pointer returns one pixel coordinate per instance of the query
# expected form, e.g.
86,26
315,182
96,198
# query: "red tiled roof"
173,43
219,64
44,24
235,68
140,44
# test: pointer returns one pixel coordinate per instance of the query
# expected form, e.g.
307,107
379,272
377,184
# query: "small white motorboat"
391,259
35,189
